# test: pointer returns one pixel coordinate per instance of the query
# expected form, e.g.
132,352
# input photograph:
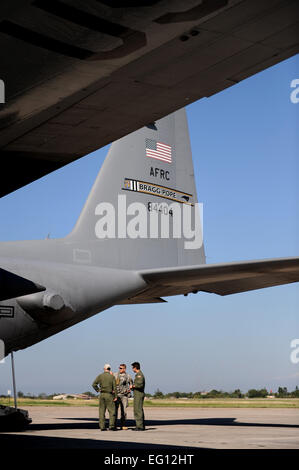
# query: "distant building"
81,396
74,396
60,397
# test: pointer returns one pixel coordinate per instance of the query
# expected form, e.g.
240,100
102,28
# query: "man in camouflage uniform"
105,384
123,382
138,387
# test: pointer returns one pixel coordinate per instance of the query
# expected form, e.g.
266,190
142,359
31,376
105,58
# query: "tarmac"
167,429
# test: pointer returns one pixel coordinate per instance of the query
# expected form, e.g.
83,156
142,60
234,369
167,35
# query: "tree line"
282,392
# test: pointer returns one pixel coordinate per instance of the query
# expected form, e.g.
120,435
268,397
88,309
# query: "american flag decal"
158,150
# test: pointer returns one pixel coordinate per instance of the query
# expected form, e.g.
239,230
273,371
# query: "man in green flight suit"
105,383
138,387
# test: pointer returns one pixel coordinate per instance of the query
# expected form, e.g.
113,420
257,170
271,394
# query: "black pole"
14,380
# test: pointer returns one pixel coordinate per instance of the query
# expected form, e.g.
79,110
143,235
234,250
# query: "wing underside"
76,72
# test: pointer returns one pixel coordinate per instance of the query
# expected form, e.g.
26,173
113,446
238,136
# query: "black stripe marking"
200,11
82,18
46,42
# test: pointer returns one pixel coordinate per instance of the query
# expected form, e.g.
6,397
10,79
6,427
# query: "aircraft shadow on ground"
28,441
93,423
170,422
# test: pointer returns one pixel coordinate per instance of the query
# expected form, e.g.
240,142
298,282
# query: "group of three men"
114,392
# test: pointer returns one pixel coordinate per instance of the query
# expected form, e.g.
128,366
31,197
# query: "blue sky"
245,145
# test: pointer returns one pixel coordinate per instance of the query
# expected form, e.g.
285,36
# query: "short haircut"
136,365
122,365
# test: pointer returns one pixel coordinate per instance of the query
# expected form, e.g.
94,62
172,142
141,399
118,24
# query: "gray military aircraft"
78,75
138,239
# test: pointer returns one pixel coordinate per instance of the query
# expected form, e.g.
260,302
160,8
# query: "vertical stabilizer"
142,211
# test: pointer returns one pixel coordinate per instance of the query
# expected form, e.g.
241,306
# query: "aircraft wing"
79,75
12,285
222,279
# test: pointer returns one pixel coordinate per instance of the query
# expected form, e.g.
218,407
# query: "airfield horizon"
175,403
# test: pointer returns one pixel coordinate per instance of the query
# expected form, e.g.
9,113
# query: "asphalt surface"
171,429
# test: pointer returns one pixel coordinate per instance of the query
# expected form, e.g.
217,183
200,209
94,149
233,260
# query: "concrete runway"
173,429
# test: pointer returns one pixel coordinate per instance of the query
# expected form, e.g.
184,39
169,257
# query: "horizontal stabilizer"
12,285
140,299
222,279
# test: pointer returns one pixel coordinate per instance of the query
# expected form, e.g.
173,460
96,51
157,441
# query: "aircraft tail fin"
142,211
